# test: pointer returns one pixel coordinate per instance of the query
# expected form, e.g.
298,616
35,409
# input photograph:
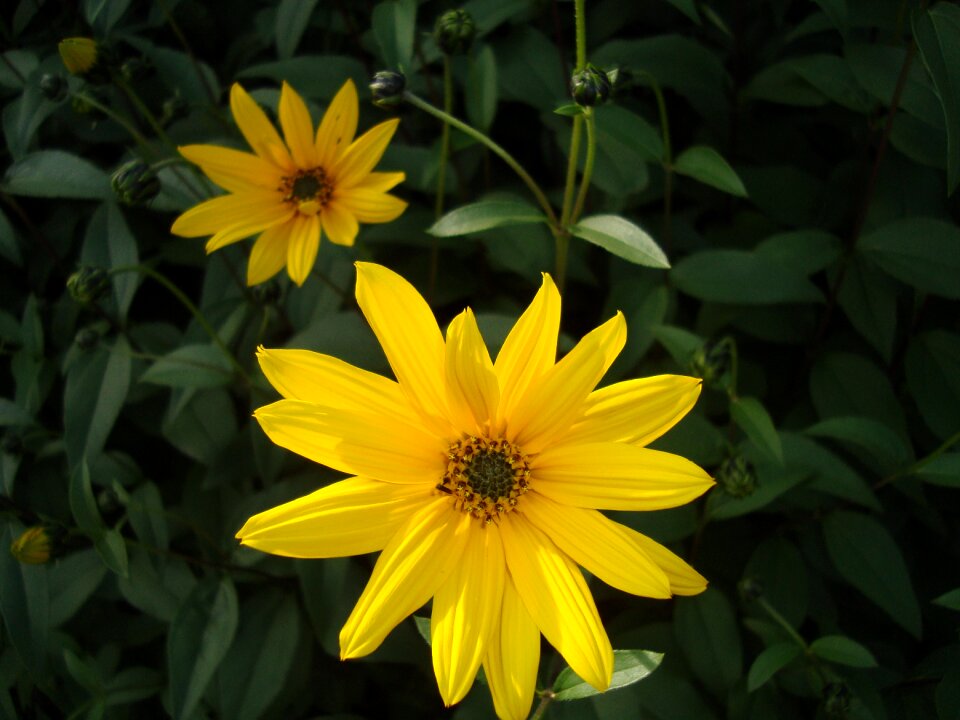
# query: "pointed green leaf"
843,651
629,666
949,600
754,420
481,90
867,557
190,366
942,470
708,166
569,110
394,24
55,173
621,237
920,251
742,278
24,604
485,215
933,376
770,662
707,631
881,445
293,16
82,503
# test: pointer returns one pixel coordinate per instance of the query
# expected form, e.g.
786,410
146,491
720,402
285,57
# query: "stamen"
310,190
485,477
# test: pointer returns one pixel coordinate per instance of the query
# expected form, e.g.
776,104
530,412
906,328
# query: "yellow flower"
32,547
481,482
79,54
285,192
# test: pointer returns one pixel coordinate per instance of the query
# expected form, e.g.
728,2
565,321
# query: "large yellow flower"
288,191
481,482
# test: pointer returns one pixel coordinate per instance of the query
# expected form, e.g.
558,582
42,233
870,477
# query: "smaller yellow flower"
79,54
32,547
290,190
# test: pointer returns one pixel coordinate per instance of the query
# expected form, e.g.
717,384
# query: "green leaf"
943,470
190,78
868,558
423,627
24,604
147,516
96,388
82,503
843,651
708,166
293,16
102,15
55,173
256,668
950,600
619,236
807,251
947,696
480,94
190,366
485,215
569,110
708,635
680,343
9,246
937,32
629,666
12,415
753,419
828,473
920,251
200,425
781,570
199,637
688,8
73,580
15,66
743,278
112,549
394,24
108,243
301,73
522,74
869,300
771,661
933,376
880,445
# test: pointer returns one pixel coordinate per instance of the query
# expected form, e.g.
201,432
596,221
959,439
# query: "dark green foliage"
792,239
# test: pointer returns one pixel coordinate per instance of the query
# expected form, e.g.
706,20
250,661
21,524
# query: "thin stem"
782,622
921,463
485,140
572,160
119,119
193,309
445,136
667,160
579,11
545,699
588,163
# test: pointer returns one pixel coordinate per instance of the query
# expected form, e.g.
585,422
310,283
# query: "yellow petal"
339,224
615,476
338,126
530,349
302,247
558,599
513,658
371,206
550,406
269,254
635,411
233,170
411,340
351,517
597,543
226,211
421,556
363,154
279,216
297,128
472,390
380,181
465,612
325,380
358,443
684,580
259,132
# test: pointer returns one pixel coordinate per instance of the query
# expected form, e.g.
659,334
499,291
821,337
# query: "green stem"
572,160
193,309
531,184
119,119
579,12
444,137
782,622
588,164
667,160
545,699
921,463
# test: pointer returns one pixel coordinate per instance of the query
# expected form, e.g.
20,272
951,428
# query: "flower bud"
135,183
387,88
33,546
454,32
736,477
711,362
87,339
88,284
79,54
590,87
53,87
750,589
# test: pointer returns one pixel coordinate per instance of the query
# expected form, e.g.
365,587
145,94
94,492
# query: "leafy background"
806,200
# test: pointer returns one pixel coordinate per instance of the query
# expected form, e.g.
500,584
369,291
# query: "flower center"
310,190
485,477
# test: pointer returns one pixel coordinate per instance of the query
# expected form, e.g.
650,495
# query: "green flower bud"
135,183
88,284
53,87
454,32
387,88
750,589
736,477
590,87
33,547
87,339
711,363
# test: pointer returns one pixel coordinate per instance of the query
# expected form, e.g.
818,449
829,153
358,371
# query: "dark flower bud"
750,589
87,339
590,87
387,88
53,87
33,546
454,32
88,284
135,183
736,477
